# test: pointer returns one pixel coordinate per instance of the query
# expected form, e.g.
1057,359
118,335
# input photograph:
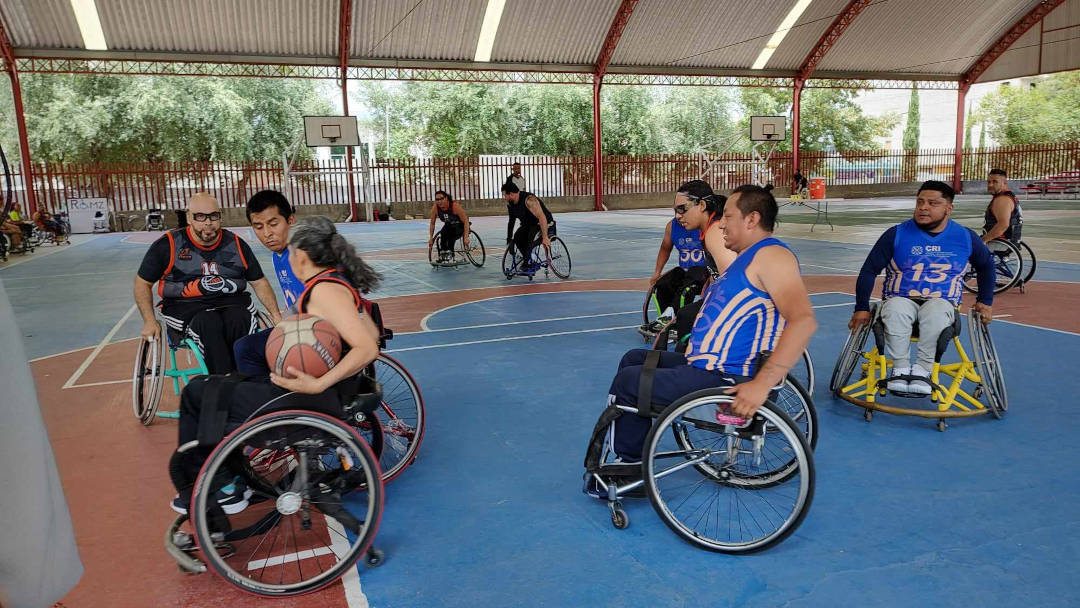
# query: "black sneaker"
232,498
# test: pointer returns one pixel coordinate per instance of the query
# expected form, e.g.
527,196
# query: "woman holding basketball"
334,277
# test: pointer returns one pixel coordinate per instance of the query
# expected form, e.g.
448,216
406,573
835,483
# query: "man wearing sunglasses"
202,273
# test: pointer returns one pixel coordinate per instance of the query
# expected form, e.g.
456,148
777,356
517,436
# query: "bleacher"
1064,183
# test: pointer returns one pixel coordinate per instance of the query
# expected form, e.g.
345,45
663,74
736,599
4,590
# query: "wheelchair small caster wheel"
619,518
941,426
978,392
868,415
374,558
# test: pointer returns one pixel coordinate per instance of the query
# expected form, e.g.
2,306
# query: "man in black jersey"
1003,218
202,272
537,224
455,224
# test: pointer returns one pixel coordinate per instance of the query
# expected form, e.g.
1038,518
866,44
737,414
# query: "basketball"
303,342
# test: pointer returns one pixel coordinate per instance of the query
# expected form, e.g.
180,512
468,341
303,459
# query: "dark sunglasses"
206,217
440,198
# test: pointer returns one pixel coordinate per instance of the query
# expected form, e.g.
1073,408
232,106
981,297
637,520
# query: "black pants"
684,323
214,330
673,379
527,237
677,281
449,234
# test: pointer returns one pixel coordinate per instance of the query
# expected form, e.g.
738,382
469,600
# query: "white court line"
55,276
289,558
354,594
424,325
101,345
831,268
103,383
74,350
509,338
432,331
45,253
406,275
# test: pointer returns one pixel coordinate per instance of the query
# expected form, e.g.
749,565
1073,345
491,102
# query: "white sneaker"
921,386
899,385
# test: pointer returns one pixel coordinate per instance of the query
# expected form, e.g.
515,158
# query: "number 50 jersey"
926,265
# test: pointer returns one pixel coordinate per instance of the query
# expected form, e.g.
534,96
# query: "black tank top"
1016,218
447,216
196,273
522,214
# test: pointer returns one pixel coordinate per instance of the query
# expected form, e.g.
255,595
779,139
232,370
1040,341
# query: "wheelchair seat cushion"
943,340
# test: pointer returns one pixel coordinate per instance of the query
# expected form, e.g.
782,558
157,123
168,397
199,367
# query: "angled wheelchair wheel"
148,376
851,353
1008,267
401,418
510,262
315,498
1027,256
649,310
433,254
475,251
803,371
988,366
559,258
263,320
721,511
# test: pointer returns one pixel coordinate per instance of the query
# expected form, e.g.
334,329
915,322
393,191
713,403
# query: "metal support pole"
598,163
348,153
795,119
958,153
24,141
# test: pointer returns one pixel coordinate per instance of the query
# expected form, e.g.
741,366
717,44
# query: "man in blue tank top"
690,273
924,260
759,303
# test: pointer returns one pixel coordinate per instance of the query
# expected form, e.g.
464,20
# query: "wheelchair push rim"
851,353
558,258
475,252
1029,261
148,376
1008,267
716,512
309,521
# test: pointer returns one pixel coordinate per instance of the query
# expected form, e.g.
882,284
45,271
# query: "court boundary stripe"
101,345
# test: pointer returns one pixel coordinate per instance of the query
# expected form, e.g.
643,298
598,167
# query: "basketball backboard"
330,131
768,128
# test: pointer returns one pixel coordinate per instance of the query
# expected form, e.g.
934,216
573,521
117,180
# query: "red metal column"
20,119
1007,39
598,163
958,152
345,25
795,117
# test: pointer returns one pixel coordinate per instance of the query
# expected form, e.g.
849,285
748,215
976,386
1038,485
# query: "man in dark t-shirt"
201,274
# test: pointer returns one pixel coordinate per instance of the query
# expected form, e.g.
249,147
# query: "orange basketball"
304,342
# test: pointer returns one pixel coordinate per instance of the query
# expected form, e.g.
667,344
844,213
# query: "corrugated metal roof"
913,36
554,31
243,27
41,24
416,29
926,36
699,33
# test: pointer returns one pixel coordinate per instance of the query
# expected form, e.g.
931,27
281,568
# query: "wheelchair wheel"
722,512
401,418
316,499
851,354
148,377
988,366
649,310
37,237
433,253
1027,256
510,262
475,252
559,258
803,371
1008,267
5,247
263,320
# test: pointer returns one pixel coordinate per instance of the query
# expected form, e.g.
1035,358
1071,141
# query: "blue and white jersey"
737,320
688,242
926,265
291,286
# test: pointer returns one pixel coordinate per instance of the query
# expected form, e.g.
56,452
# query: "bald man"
202,272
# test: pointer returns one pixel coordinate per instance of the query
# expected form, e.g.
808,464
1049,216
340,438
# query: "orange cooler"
817,188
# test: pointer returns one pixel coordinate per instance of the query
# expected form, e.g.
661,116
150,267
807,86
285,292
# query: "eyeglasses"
207,217
440,198
682,209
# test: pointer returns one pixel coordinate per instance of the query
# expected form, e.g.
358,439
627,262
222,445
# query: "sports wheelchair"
555,260
1014,265
703,468
40,234
459,255
946,379
650,310
315,485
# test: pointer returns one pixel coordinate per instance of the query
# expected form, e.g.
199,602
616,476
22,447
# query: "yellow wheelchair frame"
951,400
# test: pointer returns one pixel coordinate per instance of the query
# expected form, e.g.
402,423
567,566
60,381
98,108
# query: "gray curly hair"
326,247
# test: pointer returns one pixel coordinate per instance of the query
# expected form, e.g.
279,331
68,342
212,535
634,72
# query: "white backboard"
768,128
331,131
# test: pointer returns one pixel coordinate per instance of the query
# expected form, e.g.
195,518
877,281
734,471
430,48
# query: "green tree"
911,129
967,128
1046,112
689,118
830,118
982,134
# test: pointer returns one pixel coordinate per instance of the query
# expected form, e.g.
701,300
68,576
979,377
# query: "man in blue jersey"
759,303
924,260
270,215
691,271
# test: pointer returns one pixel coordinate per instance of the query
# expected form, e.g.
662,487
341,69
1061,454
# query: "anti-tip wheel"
619,519
941,426
868,415
374,558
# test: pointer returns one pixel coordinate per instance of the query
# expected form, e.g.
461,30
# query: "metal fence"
139,186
